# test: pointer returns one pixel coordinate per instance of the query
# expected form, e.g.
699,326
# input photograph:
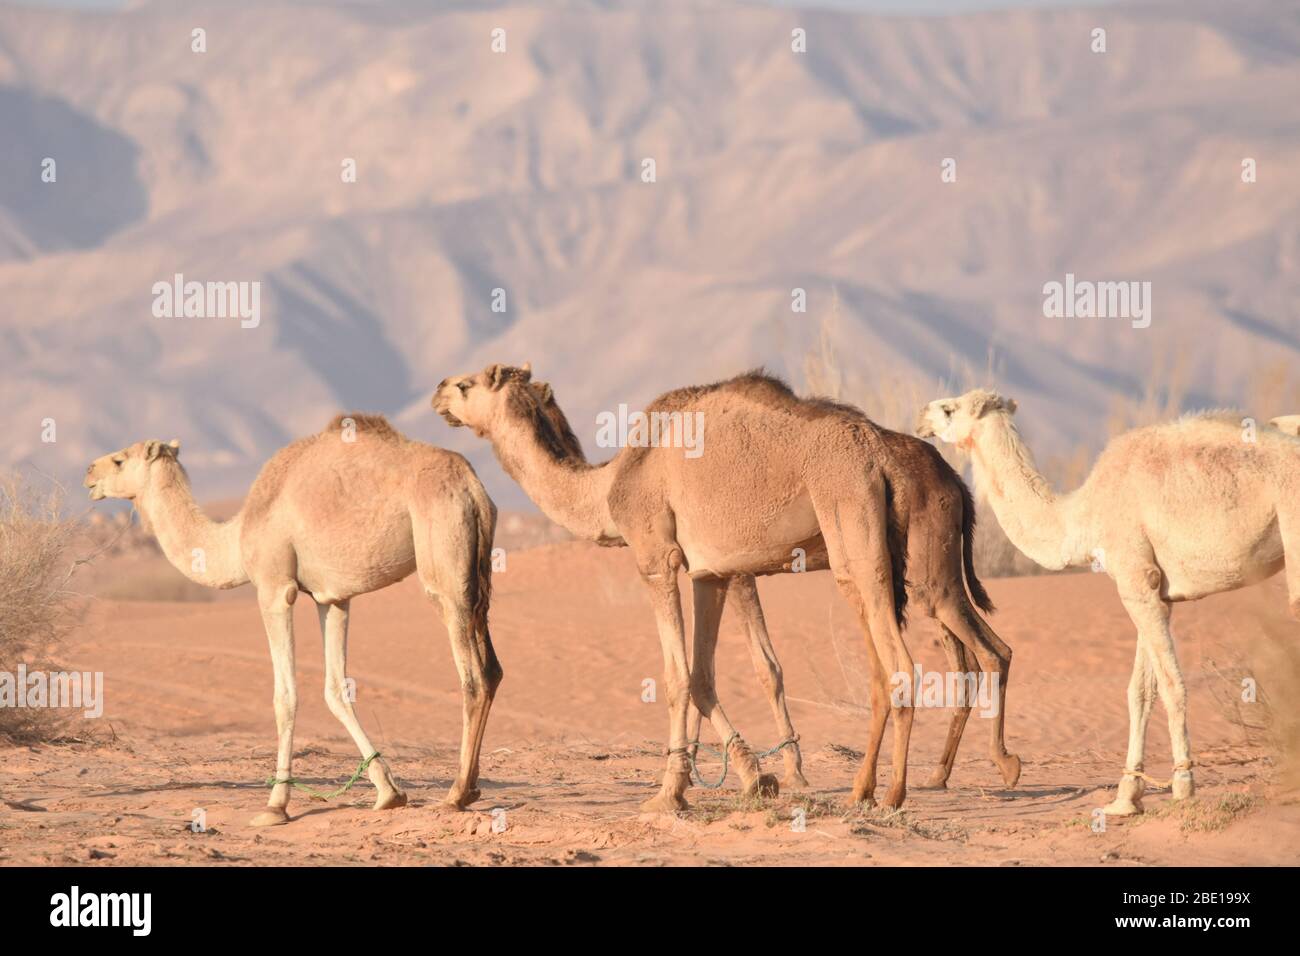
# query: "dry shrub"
1271,662
37,608
1274,390
894,400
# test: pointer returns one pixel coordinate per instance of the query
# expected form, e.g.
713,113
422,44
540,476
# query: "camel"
349,510
742,590
828,490
1171,512
1289,424
932,518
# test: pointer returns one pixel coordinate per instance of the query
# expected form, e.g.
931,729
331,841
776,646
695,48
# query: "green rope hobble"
695,770
316,794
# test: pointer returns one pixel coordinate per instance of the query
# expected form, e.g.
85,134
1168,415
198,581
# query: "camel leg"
1139,589
994,658
1141,695
864,784
710,594
744,592
661,584
858,548
1173,694
1288,522
959,663
445,563
334,634
480,674
277,617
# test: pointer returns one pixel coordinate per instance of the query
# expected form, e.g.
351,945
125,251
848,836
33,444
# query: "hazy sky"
892,6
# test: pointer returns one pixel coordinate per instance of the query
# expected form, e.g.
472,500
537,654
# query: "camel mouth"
448,417
440,405
96,493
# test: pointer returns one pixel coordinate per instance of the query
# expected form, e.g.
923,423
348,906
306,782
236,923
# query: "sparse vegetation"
1252,686
869,821
1197,815
36,606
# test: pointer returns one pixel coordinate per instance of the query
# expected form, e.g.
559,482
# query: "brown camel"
347,511
825,492
930,517
742,591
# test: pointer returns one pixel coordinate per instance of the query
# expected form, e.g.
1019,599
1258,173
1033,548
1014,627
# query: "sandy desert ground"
571,749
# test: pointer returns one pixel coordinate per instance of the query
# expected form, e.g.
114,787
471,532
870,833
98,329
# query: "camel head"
955,420
126,473
481,401
1290,424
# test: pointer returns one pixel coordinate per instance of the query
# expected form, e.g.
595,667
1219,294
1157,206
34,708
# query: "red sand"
571,750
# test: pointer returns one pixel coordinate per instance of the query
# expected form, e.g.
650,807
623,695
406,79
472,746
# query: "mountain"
522,171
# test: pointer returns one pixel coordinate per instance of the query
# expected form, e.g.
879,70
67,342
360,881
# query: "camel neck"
570,491
1034,517
205,551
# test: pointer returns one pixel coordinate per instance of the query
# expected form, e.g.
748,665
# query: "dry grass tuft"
1196,815
869,821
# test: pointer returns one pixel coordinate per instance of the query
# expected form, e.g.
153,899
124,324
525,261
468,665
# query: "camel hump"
376,425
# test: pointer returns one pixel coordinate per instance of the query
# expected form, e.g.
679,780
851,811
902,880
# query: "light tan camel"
1290,424
1171,512
825,491
937,509
347,511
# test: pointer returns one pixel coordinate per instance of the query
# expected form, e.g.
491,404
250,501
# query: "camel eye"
463,386
119,462
947,412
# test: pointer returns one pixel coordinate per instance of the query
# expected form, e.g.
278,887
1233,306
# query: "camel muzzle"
441,408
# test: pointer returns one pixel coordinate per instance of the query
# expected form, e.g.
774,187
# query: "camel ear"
157,449
496,375
986,402
527,369
544,393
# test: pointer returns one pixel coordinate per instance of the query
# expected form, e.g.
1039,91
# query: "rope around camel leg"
695,770
316,794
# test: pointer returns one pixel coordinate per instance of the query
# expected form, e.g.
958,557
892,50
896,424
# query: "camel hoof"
462,799
794,780
894,799
764,785
1010,767
390,801
1183,785
665,803
270,817
867,801
1123,808
938,781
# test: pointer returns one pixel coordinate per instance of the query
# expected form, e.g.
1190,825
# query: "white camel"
1171,512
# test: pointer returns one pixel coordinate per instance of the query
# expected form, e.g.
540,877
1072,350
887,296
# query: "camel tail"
896,534
977,592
